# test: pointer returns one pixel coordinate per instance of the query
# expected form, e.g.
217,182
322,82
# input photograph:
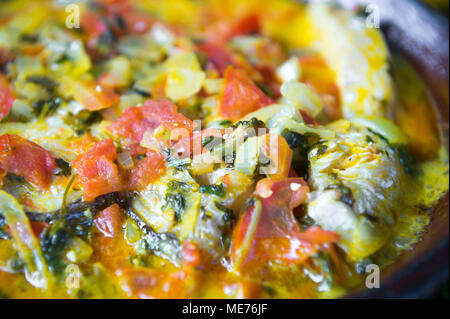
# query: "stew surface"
207,149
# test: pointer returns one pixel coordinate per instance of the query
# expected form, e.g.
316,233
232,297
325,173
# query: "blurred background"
441,5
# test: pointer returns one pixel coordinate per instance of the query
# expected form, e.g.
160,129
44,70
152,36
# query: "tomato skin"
27,159
224,31
146,171
218,55
92,95
92,24
137,23
166,113
240,96
132,124
97,171
109,221
275,234
110,246
190,254
38,228
6,97
276,148
135,121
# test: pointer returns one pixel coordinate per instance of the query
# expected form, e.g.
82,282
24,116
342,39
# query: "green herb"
225,123
408,162
82,121
294,139
346,195
252,123
265,89
300,146
405,157
177,202
209,142
217,190
66,193
228,216
3,233
64,166
165,245
54,241
202,59
142,92
43,81
15,178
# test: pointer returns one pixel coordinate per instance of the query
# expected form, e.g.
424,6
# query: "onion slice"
26,242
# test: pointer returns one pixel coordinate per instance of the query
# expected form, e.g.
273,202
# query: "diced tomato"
97,171
270,79
218,55
135,121
137,23
90,94
92,24
247,24
38,228
268,231
109,221
27,159
110,246
223,31
6,97
240,95
132,124
147,170
149,283
275,148
309,119
193,144
329,93
81,145
114,7
166,113
319,77
190,254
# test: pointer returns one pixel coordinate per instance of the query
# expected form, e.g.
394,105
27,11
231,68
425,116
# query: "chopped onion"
290,70
213,86
203,163
125,159
302,97
25,241
382,126
149,141
109,114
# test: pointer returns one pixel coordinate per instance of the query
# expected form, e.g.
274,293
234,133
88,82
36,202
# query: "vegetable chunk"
97,171
27,159
268,232
240,95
